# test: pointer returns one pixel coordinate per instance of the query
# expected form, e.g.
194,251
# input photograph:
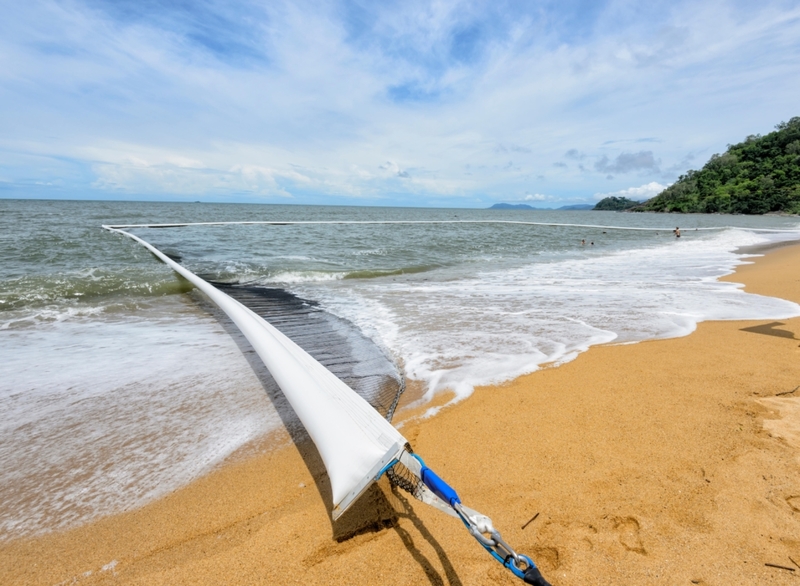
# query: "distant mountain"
616,204
578,206
757,176
524,206
511,206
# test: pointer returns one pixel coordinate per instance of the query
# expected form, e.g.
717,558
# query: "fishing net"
334,342
403,478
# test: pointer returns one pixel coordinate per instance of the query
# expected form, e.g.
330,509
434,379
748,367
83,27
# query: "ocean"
118,385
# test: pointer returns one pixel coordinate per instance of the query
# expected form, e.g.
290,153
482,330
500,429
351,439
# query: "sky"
446,104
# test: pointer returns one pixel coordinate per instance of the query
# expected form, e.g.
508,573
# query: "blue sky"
454,104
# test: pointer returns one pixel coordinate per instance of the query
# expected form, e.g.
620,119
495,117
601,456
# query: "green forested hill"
759,175
615,204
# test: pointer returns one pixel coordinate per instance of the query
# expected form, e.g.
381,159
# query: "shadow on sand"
770,329
370,513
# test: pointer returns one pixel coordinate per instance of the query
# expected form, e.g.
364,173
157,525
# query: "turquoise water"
118,386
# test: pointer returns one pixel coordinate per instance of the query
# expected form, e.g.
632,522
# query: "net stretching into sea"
339,346
356,442
334,342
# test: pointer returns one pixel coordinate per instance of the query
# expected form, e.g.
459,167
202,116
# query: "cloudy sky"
383,103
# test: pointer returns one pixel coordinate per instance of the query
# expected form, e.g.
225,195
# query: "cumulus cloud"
640,193
575,154
394,169
537,197
139,177
328,100
628,162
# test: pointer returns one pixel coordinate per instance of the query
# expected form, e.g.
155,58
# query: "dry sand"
666,462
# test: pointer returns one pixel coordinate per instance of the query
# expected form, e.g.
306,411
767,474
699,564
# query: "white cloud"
142,106
537,197
636,193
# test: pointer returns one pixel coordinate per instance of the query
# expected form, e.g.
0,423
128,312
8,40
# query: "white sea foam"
459,333
53,313
114,412
297,277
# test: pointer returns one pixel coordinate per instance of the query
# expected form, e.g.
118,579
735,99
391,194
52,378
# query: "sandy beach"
665,462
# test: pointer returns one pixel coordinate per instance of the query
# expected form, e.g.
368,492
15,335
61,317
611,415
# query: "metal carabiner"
435,491
506,551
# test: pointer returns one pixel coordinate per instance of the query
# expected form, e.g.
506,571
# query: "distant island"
511,206
757,176
578,206
524,206
616,204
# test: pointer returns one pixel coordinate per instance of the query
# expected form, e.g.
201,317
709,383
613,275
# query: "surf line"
512,222
356,444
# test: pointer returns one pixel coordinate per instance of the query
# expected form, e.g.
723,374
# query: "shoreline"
760,249
664,461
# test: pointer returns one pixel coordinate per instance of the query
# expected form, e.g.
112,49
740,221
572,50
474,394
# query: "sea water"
118,385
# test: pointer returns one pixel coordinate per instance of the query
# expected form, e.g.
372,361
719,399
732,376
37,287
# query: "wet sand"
665,462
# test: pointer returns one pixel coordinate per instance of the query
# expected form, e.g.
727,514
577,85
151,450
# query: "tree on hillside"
756,176
615,203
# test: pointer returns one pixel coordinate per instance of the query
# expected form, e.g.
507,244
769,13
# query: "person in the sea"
583,242
677,232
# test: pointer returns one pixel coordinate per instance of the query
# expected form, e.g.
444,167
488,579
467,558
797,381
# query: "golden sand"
665,462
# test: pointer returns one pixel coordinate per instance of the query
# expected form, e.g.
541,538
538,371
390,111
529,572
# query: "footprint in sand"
794,502
547,558
628,530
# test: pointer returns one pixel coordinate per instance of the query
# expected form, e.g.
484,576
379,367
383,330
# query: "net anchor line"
423,222
356,444
410,473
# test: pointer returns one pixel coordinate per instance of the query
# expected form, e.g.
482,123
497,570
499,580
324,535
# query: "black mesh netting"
334,342
340,347
402,477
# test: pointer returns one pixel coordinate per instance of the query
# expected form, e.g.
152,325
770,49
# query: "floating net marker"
355,443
